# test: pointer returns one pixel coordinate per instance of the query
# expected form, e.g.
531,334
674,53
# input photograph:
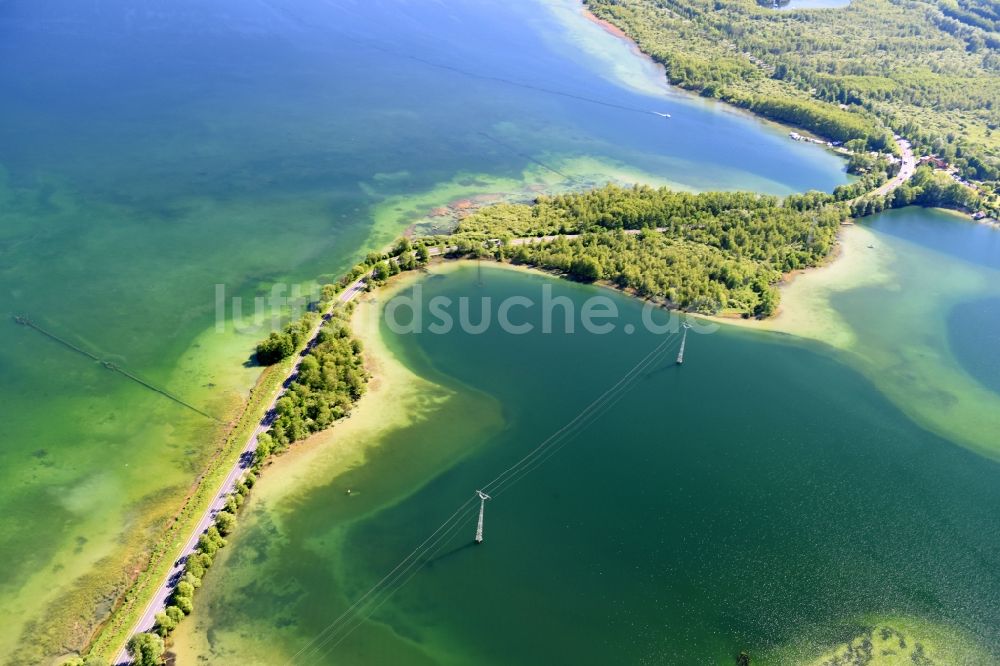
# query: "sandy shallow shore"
346,444
805,309
898,333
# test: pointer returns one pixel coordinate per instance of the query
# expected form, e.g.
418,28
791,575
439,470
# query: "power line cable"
410,564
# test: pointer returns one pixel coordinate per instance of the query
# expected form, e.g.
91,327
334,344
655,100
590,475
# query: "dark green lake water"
764,496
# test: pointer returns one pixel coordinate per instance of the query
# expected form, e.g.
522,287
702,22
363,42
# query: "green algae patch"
895,641
439,208
881,646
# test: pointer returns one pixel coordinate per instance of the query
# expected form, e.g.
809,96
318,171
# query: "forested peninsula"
711,252
928,70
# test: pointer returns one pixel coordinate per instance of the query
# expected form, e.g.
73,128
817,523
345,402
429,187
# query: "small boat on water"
662,115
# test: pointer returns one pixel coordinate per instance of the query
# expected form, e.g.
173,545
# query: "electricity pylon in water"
482,508
684,339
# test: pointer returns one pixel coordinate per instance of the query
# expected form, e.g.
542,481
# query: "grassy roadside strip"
110,635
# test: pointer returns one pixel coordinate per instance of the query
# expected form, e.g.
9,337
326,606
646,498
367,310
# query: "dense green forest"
280,345
927,69
978,13
709,252
926,187
685,274
330,380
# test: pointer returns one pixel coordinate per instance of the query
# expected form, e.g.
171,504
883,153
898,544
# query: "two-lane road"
905,171
159,601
